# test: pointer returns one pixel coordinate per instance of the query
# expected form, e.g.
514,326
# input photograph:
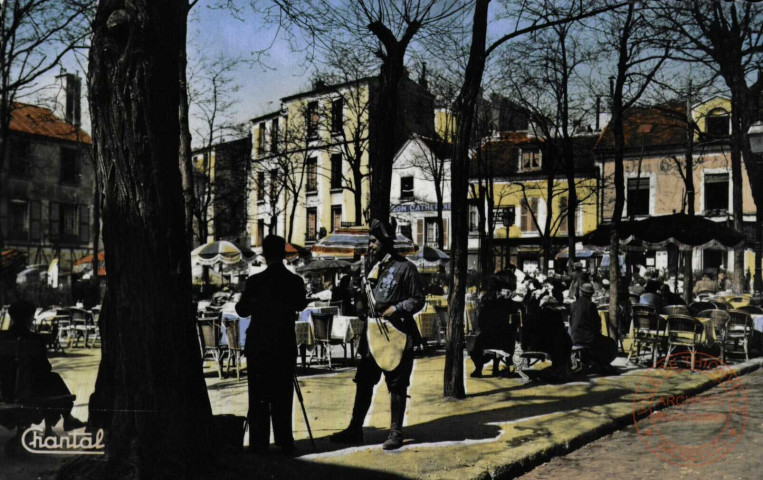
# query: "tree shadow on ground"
484,424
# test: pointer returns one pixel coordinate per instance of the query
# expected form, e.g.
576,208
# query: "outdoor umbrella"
678,229
219,251
85,264
429,259
11,261
321,265
350,243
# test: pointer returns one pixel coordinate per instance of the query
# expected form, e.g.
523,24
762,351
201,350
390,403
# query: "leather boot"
354,433
397,410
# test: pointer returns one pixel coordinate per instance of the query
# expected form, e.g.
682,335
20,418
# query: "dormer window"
530,159
717,123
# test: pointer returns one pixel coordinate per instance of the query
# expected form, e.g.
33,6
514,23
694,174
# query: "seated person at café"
496,330
585,324
670,298
342,293
543,331
705,285
45,384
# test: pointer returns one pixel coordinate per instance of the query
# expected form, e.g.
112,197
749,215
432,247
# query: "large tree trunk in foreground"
150,394
465,105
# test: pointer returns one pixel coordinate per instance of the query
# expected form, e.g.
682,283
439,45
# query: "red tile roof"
35,120
660,125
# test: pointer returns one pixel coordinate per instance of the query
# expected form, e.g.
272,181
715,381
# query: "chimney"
423,77
69,98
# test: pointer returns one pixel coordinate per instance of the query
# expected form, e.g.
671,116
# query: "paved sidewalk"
502,429
622,456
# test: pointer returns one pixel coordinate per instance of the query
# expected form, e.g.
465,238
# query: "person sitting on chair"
586,331
45,384
341,293
544,331
497,331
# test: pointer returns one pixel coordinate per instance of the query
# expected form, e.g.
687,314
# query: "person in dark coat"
544,331
399,294
44,384
497,330
585,324
342,293
670,298
271,298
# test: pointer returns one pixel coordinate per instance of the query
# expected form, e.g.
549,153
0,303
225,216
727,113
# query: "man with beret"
585,324
271,298
399,294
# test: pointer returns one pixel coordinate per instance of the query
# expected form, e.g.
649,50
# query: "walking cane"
304,412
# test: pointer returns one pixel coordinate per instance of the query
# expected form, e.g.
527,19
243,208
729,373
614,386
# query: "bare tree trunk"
465,108
736,179
150,394
186,165
690,197
357,179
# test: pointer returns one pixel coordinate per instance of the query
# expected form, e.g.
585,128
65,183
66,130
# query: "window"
717,123
35,220
336,171
312,119
431,230
261,139
69,172
638,197
63,222
716,193
406,187
260,186
312,224
18,158
337,115
336,217
564,223
531,159
529,207
474,218
406,231
274,135
312,175
273,185
260,231
84,224
420,231
19,226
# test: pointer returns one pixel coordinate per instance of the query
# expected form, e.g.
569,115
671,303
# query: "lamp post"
508,218
755,134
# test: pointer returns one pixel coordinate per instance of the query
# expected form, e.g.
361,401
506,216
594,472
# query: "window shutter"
84,224
420,231
445,233
53,216
35,212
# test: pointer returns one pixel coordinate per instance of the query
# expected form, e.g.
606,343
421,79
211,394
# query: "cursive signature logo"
34,440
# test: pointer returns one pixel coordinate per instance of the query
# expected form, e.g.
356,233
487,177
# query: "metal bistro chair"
233,335
208,327
684,331
95,333
721,305
751,309
738,333
322,331
81,326
676,310
697,307
648,331
63,325
718,319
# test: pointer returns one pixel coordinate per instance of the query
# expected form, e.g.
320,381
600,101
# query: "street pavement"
622,455
502,429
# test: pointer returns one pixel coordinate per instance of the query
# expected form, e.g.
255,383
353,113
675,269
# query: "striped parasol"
350,243
219,251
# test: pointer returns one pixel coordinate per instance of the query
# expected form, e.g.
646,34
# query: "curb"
520,467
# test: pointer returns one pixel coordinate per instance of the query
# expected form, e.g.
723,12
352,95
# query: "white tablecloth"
757,321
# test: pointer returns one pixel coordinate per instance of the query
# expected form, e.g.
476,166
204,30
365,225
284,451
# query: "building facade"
420,162
530,200
47,183
655,172
310,158
222,174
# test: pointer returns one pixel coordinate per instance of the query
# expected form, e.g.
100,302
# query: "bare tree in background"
726,36
464,109
630,38
211,95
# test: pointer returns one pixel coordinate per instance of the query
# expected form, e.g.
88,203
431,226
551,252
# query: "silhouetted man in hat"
271,298
586,331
